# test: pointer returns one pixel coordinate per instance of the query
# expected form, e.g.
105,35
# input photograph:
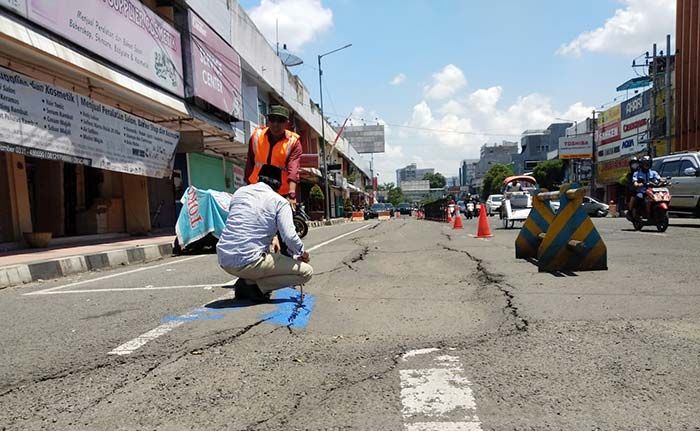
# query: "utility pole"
653,103
594,159
323,135
667,100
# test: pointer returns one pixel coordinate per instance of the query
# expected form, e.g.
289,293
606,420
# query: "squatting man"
256,214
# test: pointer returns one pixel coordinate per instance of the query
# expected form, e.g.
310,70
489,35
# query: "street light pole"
323,134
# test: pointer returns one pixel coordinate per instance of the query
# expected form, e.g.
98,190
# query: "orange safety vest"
276,156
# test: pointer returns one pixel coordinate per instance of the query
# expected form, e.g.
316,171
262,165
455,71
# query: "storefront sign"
610,172
609,151
124,32
576,147
215,69
19,6
635,105
41,120
635,125
216,13
609,116
634,144
609,133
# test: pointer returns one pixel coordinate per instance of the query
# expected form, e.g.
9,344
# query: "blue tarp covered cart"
202,219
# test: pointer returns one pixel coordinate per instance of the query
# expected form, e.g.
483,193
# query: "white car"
493,204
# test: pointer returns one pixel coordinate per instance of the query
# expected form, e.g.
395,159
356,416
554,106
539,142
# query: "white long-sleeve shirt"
256,214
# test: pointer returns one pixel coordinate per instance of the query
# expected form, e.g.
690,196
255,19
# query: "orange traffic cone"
458,221
484,231
449,216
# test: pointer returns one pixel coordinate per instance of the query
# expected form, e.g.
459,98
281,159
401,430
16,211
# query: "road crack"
491,278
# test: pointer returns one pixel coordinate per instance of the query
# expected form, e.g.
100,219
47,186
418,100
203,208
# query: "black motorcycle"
301,221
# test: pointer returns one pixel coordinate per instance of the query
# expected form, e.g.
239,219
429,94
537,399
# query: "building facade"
495,154
535,144
103,134
467,171
687,92
411,173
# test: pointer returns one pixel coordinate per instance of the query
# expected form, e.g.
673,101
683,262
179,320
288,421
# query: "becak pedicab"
518,192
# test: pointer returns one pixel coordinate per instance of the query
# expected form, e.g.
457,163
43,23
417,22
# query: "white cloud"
631,30
398,79
300,21
446,83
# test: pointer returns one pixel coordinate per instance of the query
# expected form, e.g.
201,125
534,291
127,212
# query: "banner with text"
215,69
576,147
40,120
124,32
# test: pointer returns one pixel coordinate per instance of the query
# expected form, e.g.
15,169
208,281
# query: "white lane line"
106,277
436,397
141,289
132,345
317,246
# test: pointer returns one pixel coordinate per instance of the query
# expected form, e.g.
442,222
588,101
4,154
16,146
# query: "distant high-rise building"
536,144
411,173
467,171
495,154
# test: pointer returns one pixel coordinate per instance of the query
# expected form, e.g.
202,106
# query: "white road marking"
131,346
106,277
440,393
317,246
129,289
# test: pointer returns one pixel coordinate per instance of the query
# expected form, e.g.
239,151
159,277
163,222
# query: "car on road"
591,206
493,204
405,208
684,171
374,210
390,207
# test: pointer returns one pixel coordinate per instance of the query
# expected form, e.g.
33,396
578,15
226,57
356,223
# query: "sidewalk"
26,266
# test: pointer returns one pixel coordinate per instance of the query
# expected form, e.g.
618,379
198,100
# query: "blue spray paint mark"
290,310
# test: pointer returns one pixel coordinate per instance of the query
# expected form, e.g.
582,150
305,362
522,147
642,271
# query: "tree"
316,198
386,186
437,180
493,180
396,196
549,174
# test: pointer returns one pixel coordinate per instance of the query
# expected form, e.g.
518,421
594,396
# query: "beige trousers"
274,271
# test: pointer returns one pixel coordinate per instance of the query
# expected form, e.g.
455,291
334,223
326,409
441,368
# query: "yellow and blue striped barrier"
536,225
571,243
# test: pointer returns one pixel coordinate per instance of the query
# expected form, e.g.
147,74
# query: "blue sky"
488,69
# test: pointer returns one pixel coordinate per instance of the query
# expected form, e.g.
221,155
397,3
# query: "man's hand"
275,244
304,257
292,202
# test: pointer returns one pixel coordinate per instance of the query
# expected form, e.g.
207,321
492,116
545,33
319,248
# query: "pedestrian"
256,213
278,146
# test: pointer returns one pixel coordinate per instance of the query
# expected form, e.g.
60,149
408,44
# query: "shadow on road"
240,303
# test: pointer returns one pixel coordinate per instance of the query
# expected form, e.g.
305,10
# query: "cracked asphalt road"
613,350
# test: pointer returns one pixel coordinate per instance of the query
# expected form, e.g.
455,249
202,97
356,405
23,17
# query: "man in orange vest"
277,146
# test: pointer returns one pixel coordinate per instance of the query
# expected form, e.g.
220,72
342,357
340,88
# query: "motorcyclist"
641,178
629,184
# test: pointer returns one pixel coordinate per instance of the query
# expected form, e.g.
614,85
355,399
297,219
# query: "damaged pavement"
534,350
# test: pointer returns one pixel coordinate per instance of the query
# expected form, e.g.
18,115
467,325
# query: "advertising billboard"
635,125
576,147
19,6
40,120
125,32
366,139
609,116
609,132
634,144
216,13
635,105
609,151
215,69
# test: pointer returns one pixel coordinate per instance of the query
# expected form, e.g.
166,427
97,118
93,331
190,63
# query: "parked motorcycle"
657,198
301,220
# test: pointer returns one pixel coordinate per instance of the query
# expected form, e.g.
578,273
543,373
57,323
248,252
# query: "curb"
57,268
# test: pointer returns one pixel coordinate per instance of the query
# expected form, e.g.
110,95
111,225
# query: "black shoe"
251,292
